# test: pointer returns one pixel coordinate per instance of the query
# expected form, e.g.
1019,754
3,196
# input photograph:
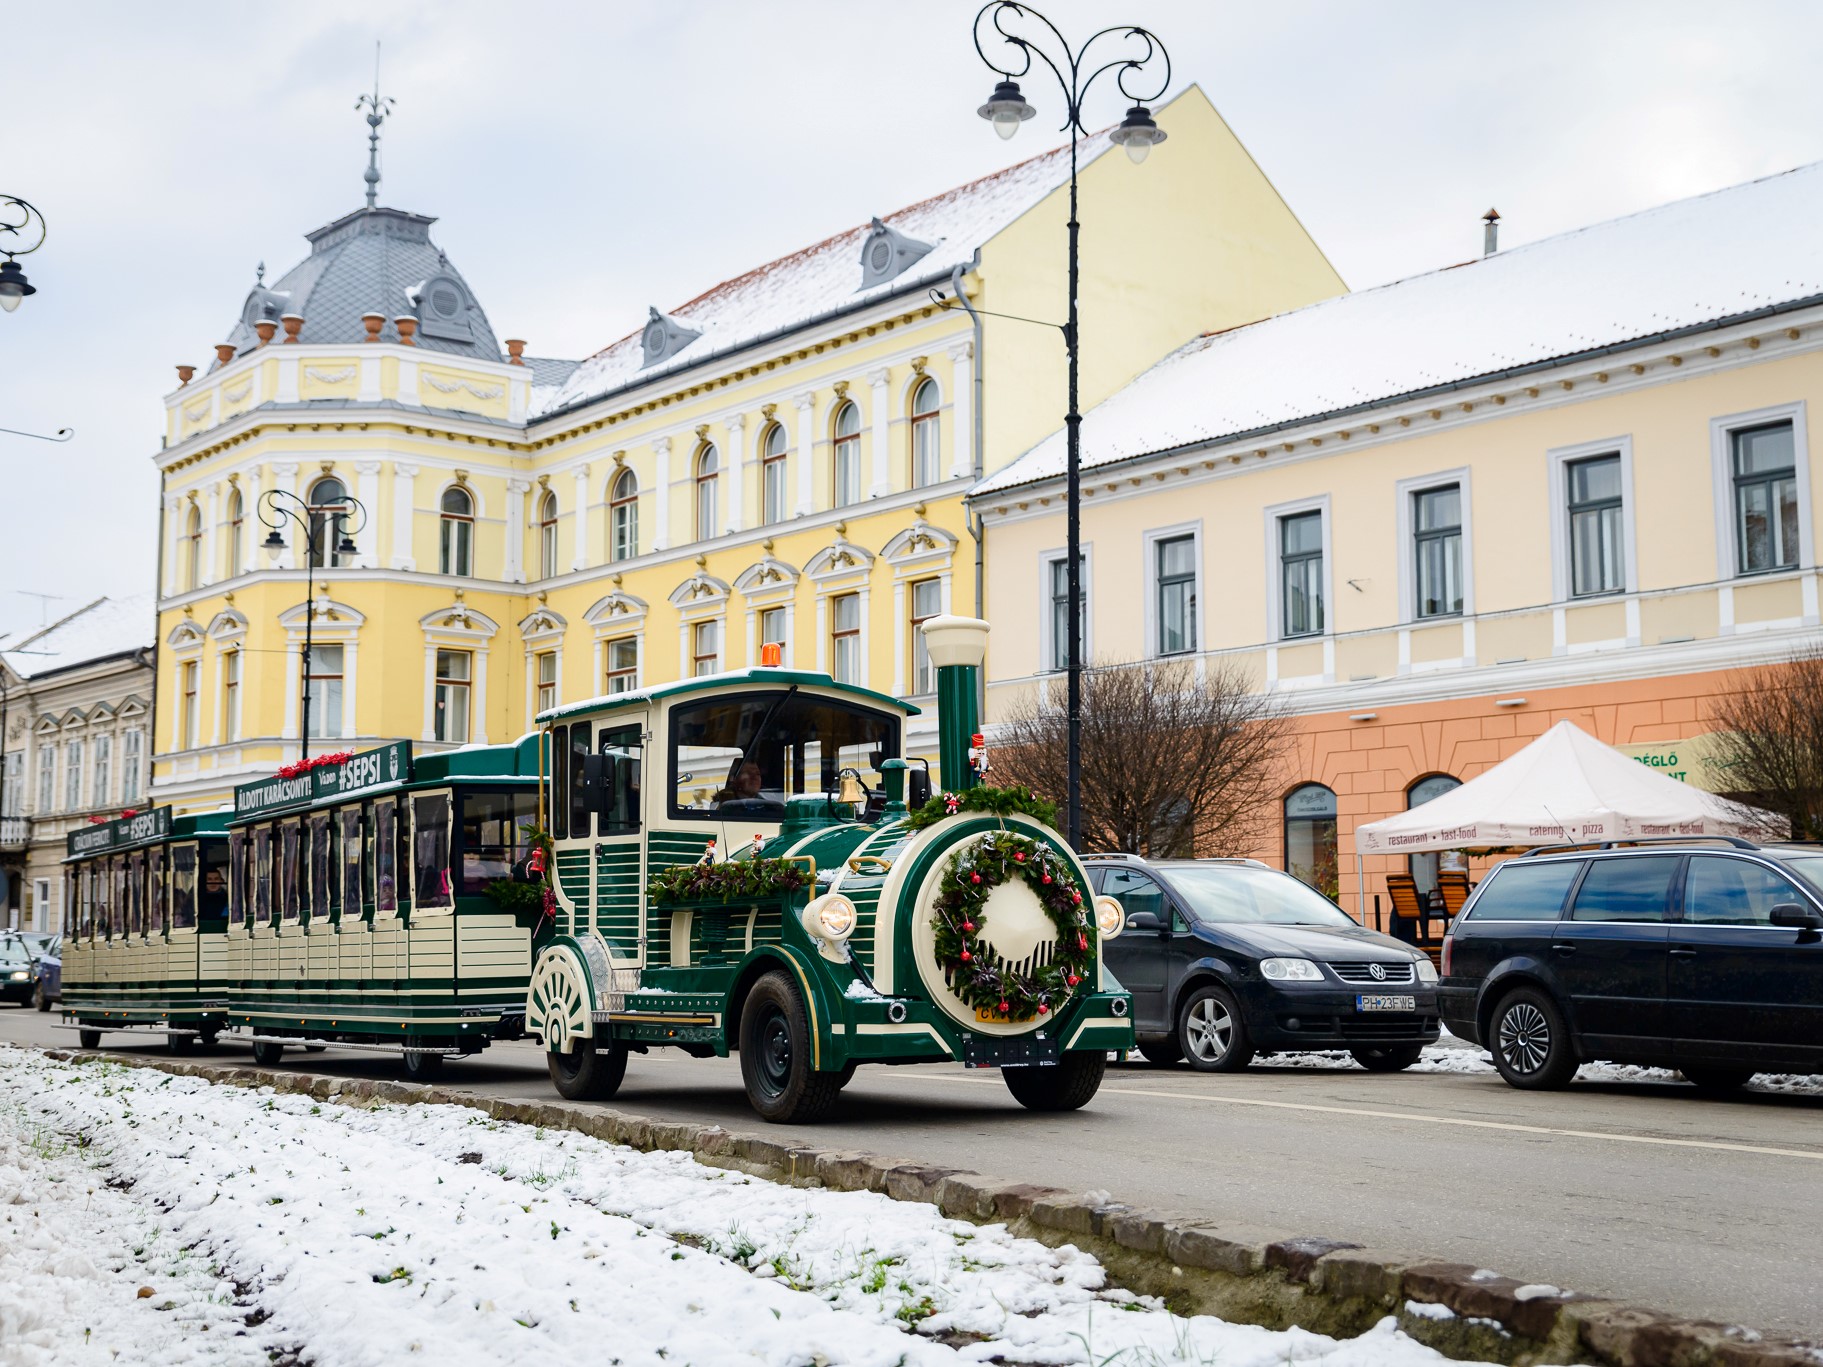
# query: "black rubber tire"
267,1053
180,1044
1387,1058
776,1051
1067,1085
589,1074
1212,1033
39,1000
315,1048
1530,1042
1716,1077
208,1037
419,1066
89,1039
1164,1052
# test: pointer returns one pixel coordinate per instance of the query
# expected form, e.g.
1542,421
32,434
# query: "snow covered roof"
1688,264
822,279
107,626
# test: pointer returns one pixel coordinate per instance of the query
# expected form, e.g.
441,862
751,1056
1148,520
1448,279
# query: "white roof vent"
886,253
664,337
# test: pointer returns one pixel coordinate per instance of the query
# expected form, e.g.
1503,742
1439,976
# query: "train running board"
130,1029
400,1048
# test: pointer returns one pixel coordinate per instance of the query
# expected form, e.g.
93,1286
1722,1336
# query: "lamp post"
1030,36
16,220
318,527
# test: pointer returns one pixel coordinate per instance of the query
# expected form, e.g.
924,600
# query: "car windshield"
1231,894
14,953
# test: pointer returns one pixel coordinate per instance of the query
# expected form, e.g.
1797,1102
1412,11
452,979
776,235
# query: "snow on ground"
1456,1056
432,1233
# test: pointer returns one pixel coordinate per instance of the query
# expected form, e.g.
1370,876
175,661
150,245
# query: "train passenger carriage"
148,895
373,904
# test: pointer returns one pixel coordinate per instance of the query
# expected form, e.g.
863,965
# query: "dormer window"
664,337
442,306
887,253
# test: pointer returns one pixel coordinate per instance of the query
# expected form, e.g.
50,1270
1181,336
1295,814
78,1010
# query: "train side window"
559,741
386,857
154,904
286,857
493,836
112,908
349,819
183,887
214,883
578,765
239,903
322,868
430,853
129,916
262,876
617,797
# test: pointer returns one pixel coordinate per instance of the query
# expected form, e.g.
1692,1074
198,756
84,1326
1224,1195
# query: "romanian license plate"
1385,1002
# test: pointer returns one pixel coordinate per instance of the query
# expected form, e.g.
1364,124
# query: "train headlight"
1110,916
830,917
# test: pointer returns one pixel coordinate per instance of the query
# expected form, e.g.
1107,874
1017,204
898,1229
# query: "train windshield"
740,756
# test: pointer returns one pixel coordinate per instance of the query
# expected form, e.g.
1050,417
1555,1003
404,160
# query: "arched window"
847,447
772,473
1424,867
458,544
925,453
547,535
193,548
1310,838
327,498
236,525
708,486
623,517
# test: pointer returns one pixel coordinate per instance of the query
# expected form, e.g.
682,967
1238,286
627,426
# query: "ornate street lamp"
319,527
16,220
1029,36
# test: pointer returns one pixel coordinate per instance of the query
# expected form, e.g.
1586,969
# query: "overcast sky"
587,159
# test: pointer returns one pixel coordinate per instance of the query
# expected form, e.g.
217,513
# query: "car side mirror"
1797,916
1144,920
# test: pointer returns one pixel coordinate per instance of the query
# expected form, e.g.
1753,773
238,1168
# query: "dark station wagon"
1703,956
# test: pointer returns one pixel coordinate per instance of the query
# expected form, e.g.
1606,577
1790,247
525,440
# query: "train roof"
154,827
387,768
757,674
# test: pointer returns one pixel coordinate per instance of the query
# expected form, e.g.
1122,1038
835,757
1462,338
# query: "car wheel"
1163,1052
1530,1042
1211,1032
1387,1058
588,1073
1716,1077
180,1044
266,1053
39,1000
89,1039
420,1065
776,1052
1066,1085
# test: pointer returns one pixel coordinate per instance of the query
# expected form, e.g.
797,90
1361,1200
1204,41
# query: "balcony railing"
15,832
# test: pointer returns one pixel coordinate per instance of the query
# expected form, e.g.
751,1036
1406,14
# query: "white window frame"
1558,461
1721,455
1275,593
1403,492
1047,645
1194,530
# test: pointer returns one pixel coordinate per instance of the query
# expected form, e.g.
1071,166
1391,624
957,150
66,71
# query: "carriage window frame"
265,894
348,841
623,747
325,868
240,883
383,833
130,893
184,885
558,740
522,805
156,908
418,805
212,855
112,898
287,865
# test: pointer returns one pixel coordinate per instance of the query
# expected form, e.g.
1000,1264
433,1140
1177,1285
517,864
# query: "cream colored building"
780,461
75,714
1574,479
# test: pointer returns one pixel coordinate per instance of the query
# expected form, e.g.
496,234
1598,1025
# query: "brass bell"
851,790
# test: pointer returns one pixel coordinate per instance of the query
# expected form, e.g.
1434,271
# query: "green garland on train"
959,917
726,882
987,801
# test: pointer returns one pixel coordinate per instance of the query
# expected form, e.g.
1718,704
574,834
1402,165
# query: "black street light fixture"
16,220
1006,109
319,527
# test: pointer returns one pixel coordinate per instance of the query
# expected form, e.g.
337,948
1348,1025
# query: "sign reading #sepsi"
369,769
121,832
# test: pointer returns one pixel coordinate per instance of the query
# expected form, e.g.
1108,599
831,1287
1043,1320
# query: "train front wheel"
777,1056
89,1039
1062,1086
588,1073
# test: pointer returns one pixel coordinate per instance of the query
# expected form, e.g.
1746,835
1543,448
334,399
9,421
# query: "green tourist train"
738,864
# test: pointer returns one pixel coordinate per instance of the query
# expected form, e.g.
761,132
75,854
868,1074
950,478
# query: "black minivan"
1701,955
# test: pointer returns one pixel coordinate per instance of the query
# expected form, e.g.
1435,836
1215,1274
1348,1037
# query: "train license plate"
1385,1002
1017,1051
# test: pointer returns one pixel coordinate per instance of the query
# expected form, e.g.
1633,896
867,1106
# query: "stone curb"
1233,1271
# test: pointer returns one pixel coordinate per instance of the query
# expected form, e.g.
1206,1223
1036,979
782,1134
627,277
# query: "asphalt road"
1646,1192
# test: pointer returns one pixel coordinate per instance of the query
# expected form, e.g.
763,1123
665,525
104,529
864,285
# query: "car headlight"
830,917
21,976
1427,971
1110,916
1290,970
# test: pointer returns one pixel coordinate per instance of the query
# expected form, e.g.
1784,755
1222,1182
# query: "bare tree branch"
1770,739
1171,765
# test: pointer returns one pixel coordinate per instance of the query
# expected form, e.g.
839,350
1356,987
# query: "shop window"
1310,838
1424,867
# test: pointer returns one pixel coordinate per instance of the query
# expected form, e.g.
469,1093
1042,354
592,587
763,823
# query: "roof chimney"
1490,236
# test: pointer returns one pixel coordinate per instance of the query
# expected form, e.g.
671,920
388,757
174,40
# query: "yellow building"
1570,480
781,460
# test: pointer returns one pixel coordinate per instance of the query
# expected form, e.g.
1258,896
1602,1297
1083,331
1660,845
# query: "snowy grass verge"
434,1233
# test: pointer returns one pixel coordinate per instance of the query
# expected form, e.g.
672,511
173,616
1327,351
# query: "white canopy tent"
1566,786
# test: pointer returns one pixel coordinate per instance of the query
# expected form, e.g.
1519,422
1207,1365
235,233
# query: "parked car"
47,977
16,961
1706,957
1228,958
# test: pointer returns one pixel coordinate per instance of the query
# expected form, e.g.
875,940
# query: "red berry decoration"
1004,1008
1019,856
1072,980
974,878
1075,896
1044,1008
968,927
967,957
1047,880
